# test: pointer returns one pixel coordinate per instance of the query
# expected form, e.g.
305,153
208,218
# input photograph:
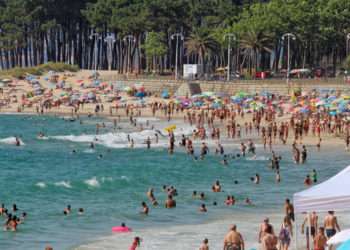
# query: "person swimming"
203,208
216,187
145,208
67,210
170,202
18,142
81,211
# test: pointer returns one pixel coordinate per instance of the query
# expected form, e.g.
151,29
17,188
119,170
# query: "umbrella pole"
309,231
296,233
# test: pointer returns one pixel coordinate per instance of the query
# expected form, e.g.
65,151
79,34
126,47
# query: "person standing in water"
314,175
145,208
148,142
303,155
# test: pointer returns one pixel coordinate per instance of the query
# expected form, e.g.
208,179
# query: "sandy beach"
95,118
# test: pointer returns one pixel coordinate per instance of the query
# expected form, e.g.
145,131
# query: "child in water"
135,243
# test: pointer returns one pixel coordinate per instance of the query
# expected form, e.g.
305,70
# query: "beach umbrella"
208,94
216,105
127,89
344,246
51,85
242,94
165,94
198,103
91,95
140,94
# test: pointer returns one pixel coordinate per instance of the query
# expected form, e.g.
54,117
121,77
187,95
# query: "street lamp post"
229,36
347,44
288,36
129,39
177,36
110,40
95,36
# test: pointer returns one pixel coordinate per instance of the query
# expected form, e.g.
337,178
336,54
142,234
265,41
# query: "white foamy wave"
11,141
65,184
106,179
93,182
121,140
41,184
125,178
257,158
145,119
42,138
89,151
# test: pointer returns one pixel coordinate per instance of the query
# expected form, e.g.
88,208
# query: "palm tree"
200,43
254,42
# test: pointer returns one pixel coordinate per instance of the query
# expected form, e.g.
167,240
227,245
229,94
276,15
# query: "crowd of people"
232,122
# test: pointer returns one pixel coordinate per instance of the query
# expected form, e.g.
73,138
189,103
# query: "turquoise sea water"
44,176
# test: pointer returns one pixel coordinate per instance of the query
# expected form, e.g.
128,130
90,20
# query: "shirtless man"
314,224
233,240
170,202
270,240
320,241
216,187
331,224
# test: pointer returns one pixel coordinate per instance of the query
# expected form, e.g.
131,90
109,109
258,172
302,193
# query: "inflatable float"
121,229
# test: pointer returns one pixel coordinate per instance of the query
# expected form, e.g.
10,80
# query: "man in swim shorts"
331,225
314,224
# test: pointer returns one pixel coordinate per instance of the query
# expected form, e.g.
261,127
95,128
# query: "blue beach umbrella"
344,246
140,94
165,94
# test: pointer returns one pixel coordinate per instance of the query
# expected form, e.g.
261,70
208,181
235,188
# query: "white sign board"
190,70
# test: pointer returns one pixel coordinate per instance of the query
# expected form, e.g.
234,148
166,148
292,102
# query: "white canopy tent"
331,195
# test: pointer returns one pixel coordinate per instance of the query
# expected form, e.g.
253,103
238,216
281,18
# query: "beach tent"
331,195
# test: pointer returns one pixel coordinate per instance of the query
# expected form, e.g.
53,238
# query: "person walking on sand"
314,224
285,234
331,226
233,240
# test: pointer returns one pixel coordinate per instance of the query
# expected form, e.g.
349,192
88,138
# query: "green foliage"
201,42
347,63
38,70
320,27
154,44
